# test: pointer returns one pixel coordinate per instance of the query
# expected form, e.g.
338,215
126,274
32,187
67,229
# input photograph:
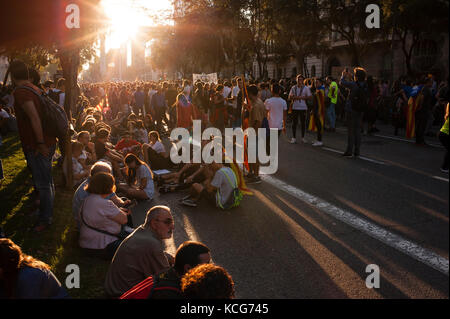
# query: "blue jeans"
41,172
331,113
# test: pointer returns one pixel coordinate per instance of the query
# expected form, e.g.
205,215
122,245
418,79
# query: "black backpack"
54,95
360,98
54,119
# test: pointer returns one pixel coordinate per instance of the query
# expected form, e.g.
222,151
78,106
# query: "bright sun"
126,16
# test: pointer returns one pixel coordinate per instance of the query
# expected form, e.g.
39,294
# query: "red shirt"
123,146
26,132
184,113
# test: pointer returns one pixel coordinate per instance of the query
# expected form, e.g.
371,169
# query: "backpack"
146,288
53,117
360,99
234,200
54,95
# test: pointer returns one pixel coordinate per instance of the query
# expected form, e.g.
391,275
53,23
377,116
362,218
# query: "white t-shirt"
144,172
4,114
221,182
226,91
150,94
234,93
98,212
276,106
62,98
158,147
296,91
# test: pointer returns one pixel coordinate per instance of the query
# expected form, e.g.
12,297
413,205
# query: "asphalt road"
284,242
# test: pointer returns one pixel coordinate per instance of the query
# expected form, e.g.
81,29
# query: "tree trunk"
70,61
355,54
300,59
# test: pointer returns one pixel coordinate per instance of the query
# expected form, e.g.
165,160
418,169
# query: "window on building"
313,71
425,55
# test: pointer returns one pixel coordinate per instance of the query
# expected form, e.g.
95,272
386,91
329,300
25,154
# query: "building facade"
430,56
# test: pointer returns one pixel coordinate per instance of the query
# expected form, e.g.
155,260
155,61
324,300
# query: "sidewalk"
387,131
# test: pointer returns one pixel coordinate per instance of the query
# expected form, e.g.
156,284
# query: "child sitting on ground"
80,172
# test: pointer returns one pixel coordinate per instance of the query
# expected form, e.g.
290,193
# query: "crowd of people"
120,157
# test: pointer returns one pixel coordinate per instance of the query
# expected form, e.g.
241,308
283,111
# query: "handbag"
121,235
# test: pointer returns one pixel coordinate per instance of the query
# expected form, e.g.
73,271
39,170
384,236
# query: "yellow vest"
335,97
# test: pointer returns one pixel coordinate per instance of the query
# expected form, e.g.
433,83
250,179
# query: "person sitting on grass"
141,254
125,145
25,277
84,137
101,220
79,171
139,179
218,188
104,152
140,132
81,194
167,284
207,281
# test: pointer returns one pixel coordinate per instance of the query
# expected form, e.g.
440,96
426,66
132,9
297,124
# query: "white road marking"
361,157
404,140
440,178
405,246
394,138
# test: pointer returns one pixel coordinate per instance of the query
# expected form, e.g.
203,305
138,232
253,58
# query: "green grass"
57,246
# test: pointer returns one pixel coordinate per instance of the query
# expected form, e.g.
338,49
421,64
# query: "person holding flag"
414,102
316,122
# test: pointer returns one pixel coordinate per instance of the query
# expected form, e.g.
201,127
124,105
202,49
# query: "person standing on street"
443,137
298,95
37,143
424,112
333,92
355,107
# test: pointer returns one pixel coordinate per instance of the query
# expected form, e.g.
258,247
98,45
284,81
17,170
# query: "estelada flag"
414,104
239,177
320,96
245,124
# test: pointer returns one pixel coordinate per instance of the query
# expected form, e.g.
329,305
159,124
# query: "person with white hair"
81,194
142,253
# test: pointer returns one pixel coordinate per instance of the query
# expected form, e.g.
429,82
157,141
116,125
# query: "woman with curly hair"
25,277
207,281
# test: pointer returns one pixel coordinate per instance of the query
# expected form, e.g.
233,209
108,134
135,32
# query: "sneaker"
317,143
444,170
189,202
254,180
347,154
293,141
304,140
184,198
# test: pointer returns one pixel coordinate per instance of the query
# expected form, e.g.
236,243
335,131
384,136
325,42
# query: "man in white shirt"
298,95
276,110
